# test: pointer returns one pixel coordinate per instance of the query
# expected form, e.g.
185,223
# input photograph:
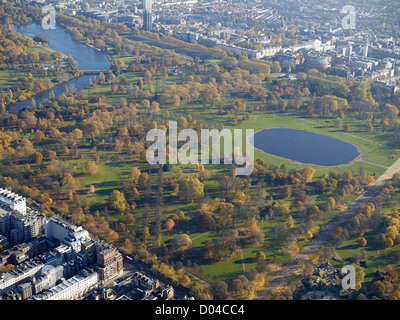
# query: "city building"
142,281
109,261
147,5
26,290
46,278
17,221
64,255
147,21
71,289
147,15
250,52
270,51
67,233
12,201
11,279
318,63
365,49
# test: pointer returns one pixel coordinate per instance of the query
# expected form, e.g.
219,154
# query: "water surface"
87,58
305,146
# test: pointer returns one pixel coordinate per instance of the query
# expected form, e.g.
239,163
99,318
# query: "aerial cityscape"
199,151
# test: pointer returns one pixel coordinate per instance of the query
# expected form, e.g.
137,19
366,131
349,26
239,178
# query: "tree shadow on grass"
350,247
117,163
98,206
246,260
104,192
104,184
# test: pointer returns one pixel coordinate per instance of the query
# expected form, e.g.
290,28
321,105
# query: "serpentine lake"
305,147
87,58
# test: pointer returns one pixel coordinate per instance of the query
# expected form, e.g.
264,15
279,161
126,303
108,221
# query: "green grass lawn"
38,49
373,152
5,78
212,271
377,257
114,169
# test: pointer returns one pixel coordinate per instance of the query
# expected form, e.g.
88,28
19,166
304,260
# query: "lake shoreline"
86,59
359,158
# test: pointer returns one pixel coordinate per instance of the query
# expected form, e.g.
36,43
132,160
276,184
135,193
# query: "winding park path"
321,238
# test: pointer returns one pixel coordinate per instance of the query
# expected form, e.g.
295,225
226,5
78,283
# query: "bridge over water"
95,71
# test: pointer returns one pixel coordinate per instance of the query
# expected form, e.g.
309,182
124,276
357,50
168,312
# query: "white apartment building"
17,221
270,51
13,200
66,232
70,289
250,53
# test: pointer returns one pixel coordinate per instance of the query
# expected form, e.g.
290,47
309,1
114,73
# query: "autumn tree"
51,154
390,112
391,275
169,224
39,135
201,291
219,290
91,167
254,233
260,256
309,234
242,288
182,242
286,191
37,157
68,179
134,174
331,203
128,246
143,179
117,201
308,174
378,288
112,236
280,208
290,222
191,189
130,220
314,212
369,127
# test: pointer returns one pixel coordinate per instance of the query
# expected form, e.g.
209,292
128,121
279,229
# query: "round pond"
305,146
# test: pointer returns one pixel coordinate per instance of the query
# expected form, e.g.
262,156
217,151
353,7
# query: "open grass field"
114,169
377,155
377,152
376,256
8,78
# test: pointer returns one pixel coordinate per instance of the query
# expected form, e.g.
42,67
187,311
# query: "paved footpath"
321,238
